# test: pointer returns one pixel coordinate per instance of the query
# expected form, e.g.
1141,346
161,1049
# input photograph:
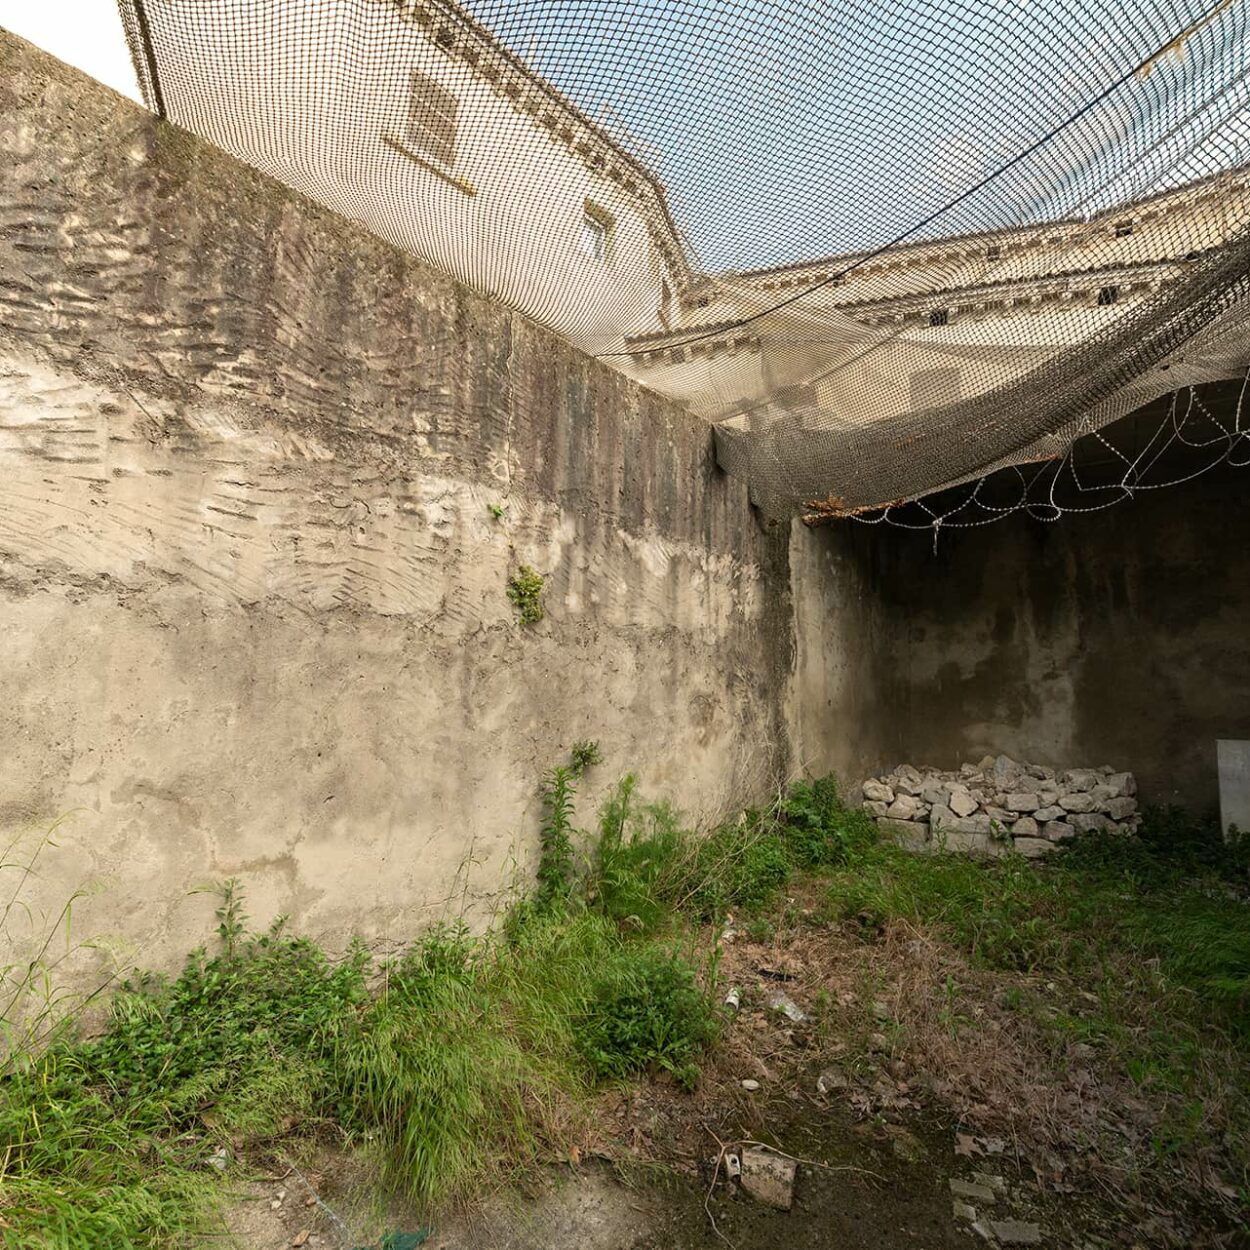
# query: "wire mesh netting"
887,246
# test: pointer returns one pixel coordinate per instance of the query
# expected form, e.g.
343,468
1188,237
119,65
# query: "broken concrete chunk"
905,807
831,1079
1034,848
962,803
980,823
1123,784
878,791
988,1178
1121,808
1089,822
962,842
962,1211
1021,802
1004,769
1016,1232
1080,780
940,815
768,1178
971,1190
874,808
1077,801
910,835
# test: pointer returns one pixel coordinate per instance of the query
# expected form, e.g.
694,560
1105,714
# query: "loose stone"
1016,1232
971,1190
1021,803
768,1178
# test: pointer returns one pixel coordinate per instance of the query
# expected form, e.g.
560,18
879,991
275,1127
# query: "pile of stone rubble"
991,807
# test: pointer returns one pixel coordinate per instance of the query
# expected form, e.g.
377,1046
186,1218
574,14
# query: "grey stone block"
1034,848
908,834
1021,803
962,803
1089,822
1057,830
904,807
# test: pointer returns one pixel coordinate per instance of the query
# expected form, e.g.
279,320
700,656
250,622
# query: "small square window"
1108,295
594,238
596,232
940,317
1123,229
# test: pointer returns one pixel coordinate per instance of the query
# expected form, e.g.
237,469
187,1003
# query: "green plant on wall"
525,589
585,754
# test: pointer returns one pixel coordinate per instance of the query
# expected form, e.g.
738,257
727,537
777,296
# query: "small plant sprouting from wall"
555,867
586,754
525,589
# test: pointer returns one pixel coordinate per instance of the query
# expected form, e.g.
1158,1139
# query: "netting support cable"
157,100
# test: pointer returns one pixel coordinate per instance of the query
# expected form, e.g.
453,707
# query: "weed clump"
646,1009
525,590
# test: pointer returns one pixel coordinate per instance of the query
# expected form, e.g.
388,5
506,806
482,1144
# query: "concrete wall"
1120,637
252,598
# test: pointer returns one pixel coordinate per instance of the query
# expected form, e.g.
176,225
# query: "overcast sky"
85,33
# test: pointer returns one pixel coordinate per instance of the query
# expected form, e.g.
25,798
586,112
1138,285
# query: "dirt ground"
860,1187
813,1066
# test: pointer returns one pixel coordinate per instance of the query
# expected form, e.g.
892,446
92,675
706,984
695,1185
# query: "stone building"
416,121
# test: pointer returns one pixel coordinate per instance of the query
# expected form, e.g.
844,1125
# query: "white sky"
85,33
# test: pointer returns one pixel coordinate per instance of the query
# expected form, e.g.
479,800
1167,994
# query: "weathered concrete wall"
1119,637
252,598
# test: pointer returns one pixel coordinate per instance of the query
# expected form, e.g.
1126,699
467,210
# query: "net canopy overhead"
886,245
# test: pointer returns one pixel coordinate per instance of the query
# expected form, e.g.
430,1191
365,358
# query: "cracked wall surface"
252,591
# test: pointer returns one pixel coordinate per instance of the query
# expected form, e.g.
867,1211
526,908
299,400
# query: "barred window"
1108,295
432,119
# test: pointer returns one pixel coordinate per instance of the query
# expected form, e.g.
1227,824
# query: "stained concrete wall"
252,597
1118,637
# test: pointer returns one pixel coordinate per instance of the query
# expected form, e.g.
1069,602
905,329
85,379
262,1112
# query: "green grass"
1143,945
470,1057
1174,899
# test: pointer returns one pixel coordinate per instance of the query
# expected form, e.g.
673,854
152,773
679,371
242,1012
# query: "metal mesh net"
888,247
